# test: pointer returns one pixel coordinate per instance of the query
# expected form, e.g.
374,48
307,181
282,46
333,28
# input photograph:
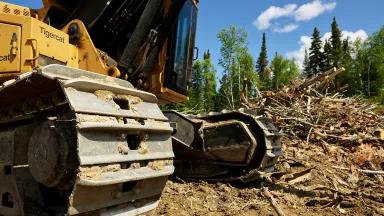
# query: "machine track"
74,142
224,146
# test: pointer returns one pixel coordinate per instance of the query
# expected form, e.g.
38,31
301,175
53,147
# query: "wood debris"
333,160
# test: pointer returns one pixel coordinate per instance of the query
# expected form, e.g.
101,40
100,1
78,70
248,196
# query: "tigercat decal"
49,34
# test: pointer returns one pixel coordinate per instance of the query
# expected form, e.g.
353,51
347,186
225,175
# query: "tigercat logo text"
51,35
5,58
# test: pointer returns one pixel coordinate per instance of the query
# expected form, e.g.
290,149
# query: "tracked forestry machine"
81,131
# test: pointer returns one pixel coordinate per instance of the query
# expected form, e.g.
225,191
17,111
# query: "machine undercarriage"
77,142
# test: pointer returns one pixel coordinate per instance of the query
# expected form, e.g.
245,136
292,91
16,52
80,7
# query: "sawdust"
159,165
104,95
143,149
95,172
95,118
90,172
123,148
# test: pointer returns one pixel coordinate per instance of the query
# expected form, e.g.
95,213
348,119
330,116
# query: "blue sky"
297,17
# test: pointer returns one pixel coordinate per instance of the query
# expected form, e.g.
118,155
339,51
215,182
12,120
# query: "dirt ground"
324,191
308,181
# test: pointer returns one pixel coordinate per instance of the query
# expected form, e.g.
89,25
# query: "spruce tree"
327,56
337,46
262,61
306,65
207,55
347,58
315,54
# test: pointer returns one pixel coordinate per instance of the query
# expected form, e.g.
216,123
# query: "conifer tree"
337,46
315,54
306,65
262,61
327,56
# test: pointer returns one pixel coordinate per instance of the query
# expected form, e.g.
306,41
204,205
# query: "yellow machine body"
27,43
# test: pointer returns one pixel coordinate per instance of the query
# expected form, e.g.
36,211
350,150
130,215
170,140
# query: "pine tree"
306,65
315,54
207,55
337,49
347,58
327,56
262,61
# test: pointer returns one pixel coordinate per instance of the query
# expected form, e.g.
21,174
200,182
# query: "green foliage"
306,65
284,71
202,89
209,84
337,46
364,63
327,56
315,54
236,62
374,76
262,62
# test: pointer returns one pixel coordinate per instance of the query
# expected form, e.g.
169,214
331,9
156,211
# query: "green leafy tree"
196,87
315,54
209,84
358,68
373,77
284,71
233,44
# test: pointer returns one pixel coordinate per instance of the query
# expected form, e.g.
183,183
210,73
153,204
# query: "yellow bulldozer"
81,131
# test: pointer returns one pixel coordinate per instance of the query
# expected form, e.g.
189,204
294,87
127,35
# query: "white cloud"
305,43
298,55
287,28
263,21
304,12
313,9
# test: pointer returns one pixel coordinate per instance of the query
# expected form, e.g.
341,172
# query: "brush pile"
332,165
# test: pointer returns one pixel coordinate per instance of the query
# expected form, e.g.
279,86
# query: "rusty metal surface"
119,142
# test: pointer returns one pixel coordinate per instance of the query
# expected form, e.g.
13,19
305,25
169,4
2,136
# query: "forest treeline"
363,61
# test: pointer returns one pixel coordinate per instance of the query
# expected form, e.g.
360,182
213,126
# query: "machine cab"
181,50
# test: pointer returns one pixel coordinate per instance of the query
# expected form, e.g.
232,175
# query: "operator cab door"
9,48
182,44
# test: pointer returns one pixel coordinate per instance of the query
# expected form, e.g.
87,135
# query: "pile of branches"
306,111
337,141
